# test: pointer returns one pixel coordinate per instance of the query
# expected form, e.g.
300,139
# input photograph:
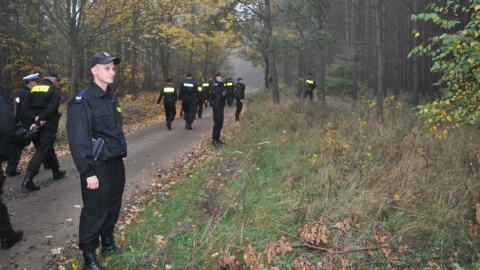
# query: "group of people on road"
96,140
194,96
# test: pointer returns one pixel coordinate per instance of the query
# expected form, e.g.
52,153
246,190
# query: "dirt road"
50,216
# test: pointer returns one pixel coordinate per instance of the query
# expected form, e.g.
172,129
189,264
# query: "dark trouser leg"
217,121
101,206
43,141
192,110
170,110
13,164
238,110
5,225
200,107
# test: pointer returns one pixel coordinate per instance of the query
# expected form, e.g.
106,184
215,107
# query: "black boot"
169,125
109,247
216,144
91,262
28,183
57,174
14,238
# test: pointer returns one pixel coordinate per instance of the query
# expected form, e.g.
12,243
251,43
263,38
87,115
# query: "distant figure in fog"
309,86
239,97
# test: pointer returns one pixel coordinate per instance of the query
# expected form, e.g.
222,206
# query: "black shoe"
91,262
59,175
189,126
237,119
28,183
221,142
13,174
216,144
169,125
8,242
199,116
109,247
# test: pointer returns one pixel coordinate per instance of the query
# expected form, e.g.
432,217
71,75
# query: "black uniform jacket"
43,101
94,113
217,94
22,94
168,92
188,90
11,132
240,90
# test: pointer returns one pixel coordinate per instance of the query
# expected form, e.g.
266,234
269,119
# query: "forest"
393,47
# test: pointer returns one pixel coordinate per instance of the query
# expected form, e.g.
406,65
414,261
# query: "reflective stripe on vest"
205,84
309,81
40,88
199,89
229,84
168,89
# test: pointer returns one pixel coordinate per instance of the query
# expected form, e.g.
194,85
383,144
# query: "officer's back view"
41,107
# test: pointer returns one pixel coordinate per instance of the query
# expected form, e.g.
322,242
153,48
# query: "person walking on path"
188,94
98,146
30,81
217,101
229,91
201,97
41,108
239,97
169,96
310,85
12,134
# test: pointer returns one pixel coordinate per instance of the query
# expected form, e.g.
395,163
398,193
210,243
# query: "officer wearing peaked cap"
94,116
41,108
217,101
30,81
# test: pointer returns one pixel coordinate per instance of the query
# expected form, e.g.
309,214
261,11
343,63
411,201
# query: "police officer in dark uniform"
98,146
310,85
169,96
12,134
217,101
201,96
41,107
188,94
229,91
239,97
206,87
30,81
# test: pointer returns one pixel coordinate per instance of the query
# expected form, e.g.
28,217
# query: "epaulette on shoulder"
78,98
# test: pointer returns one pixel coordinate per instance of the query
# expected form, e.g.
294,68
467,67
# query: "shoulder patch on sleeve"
78,98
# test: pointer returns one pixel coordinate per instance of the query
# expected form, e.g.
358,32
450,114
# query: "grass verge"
300,186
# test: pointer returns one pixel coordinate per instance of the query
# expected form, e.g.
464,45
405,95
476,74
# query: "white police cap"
31,77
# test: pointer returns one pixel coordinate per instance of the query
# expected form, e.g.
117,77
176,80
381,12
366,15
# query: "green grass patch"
328,185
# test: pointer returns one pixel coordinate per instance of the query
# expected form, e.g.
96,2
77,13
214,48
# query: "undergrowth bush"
302,186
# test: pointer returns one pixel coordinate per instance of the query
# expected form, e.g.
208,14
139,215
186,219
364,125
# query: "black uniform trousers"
13,163
44,140
308,93
189,107
101,206
200,107
170,109
218,108
239,105
5,225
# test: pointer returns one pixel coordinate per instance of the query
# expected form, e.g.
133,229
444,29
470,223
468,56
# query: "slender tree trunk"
415,71
271,54
379,58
